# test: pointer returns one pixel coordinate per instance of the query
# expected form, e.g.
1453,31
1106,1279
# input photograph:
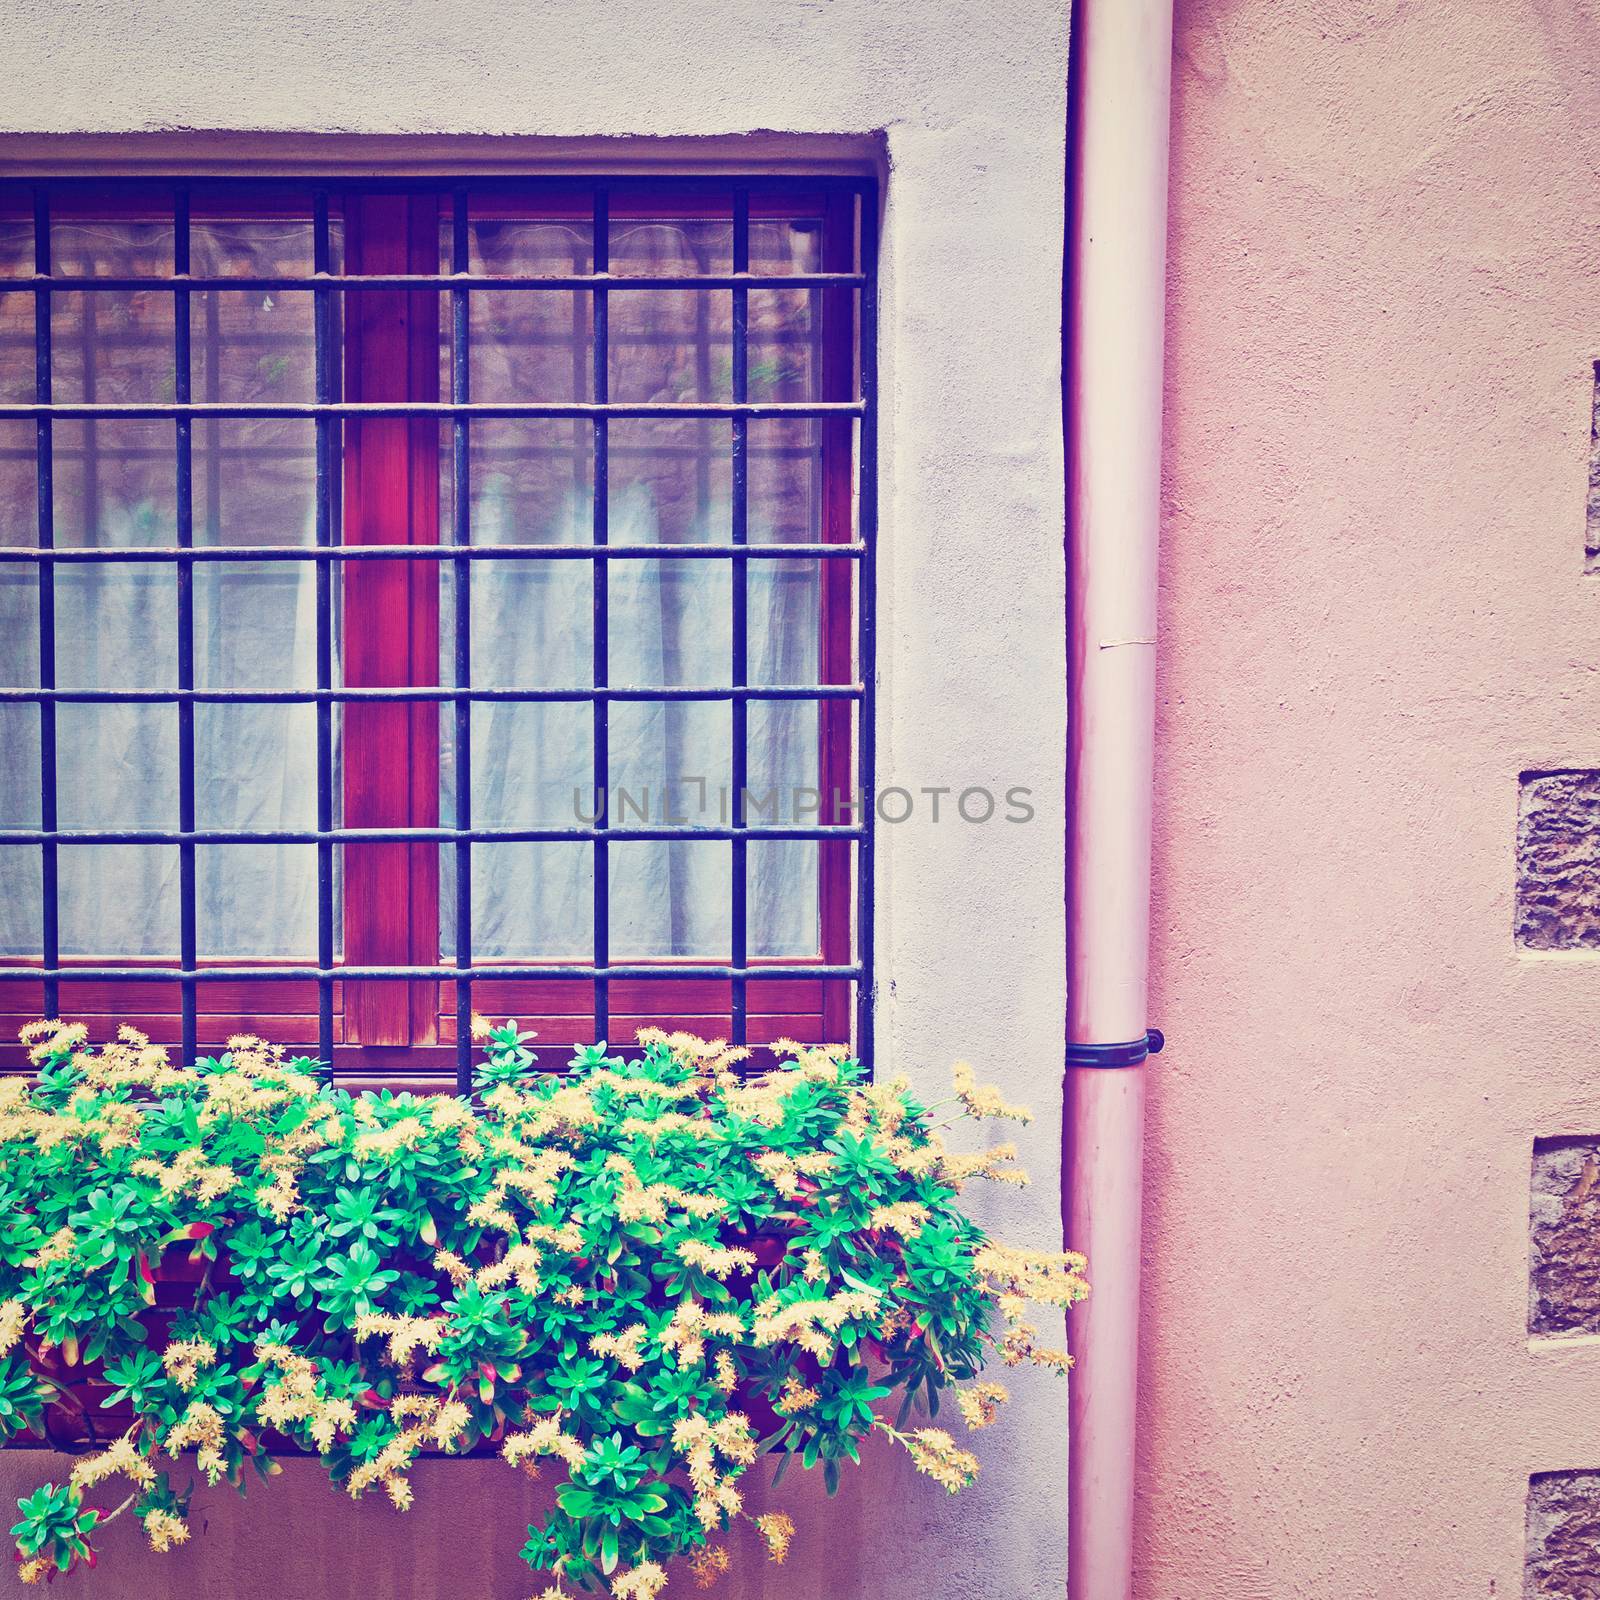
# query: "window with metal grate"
424,597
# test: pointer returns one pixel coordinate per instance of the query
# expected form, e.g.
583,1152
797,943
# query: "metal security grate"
328,413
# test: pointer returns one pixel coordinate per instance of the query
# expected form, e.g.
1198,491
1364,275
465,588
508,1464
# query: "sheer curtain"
531,482
116,624
670,622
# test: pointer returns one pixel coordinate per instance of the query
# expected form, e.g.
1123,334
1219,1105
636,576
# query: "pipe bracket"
1131,1053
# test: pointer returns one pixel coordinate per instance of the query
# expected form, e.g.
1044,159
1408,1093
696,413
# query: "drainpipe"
1118,101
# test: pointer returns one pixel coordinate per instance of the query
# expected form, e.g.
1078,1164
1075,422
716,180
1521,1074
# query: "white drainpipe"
1117,224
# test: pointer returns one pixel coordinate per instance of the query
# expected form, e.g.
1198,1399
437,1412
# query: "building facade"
1378,627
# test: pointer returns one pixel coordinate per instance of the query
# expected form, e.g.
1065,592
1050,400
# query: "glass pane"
20,867
144,922
255,622
529,345
670,900
670,622
111,345
116,624
255,901
671,481
530,902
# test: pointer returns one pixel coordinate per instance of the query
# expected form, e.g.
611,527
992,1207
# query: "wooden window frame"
404,1030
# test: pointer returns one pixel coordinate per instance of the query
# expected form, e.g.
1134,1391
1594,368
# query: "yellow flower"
796,1397
452,1266
53,1038
201,1426
721,1261
935,1453
165,1530
57,1248
984,1100
779,1170
623,1348
811,1323
451,1422
994,1164
904,1217
13,1318
545,1438
980,1404
119,1459
643,1582
280,1198
708,1563
1045,1277
184,1358
778,1531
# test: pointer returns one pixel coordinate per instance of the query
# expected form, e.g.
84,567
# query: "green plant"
650,1269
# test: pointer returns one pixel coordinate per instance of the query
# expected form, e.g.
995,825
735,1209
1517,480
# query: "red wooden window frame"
390,753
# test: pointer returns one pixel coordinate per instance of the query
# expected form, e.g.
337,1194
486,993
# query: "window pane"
145,923
670,900
670,622
671,481
523,345
116,624
255,901
20,868
530,902
255,622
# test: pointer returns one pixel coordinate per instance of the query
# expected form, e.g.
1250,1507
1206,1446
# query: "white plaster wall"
969,101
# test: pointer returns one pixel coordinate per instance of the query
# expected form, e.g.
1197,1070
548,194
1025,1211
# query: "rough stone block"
1558,861
1591,541
1562,1559
1564,1237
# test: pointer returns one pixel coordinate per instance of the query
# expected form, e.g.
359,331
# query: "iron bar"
461,462
456,836
183,443
435,552
600,643
738,574
426,692
321,250
508,971
50,910
310,410
866,600
497,282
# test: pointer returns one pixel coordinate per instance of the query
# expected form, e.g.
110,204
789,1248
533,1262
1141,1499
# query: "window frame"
402,1038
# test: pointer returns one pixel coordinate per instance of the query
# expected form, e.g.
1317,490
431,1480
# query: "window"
428,597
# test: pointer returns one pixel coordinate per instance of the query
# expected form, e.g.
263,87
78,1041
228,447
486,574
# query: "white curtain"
532,621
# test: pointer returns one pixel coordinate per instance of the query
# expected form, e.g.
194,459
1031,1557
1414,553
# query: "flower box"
652,1270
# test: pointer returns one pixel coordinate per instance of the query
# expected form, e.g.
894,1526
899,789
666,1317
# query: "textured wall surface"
1384,316
970,100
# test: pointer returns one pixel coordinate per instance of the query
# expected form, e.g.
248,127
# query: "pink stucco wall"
1384,309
